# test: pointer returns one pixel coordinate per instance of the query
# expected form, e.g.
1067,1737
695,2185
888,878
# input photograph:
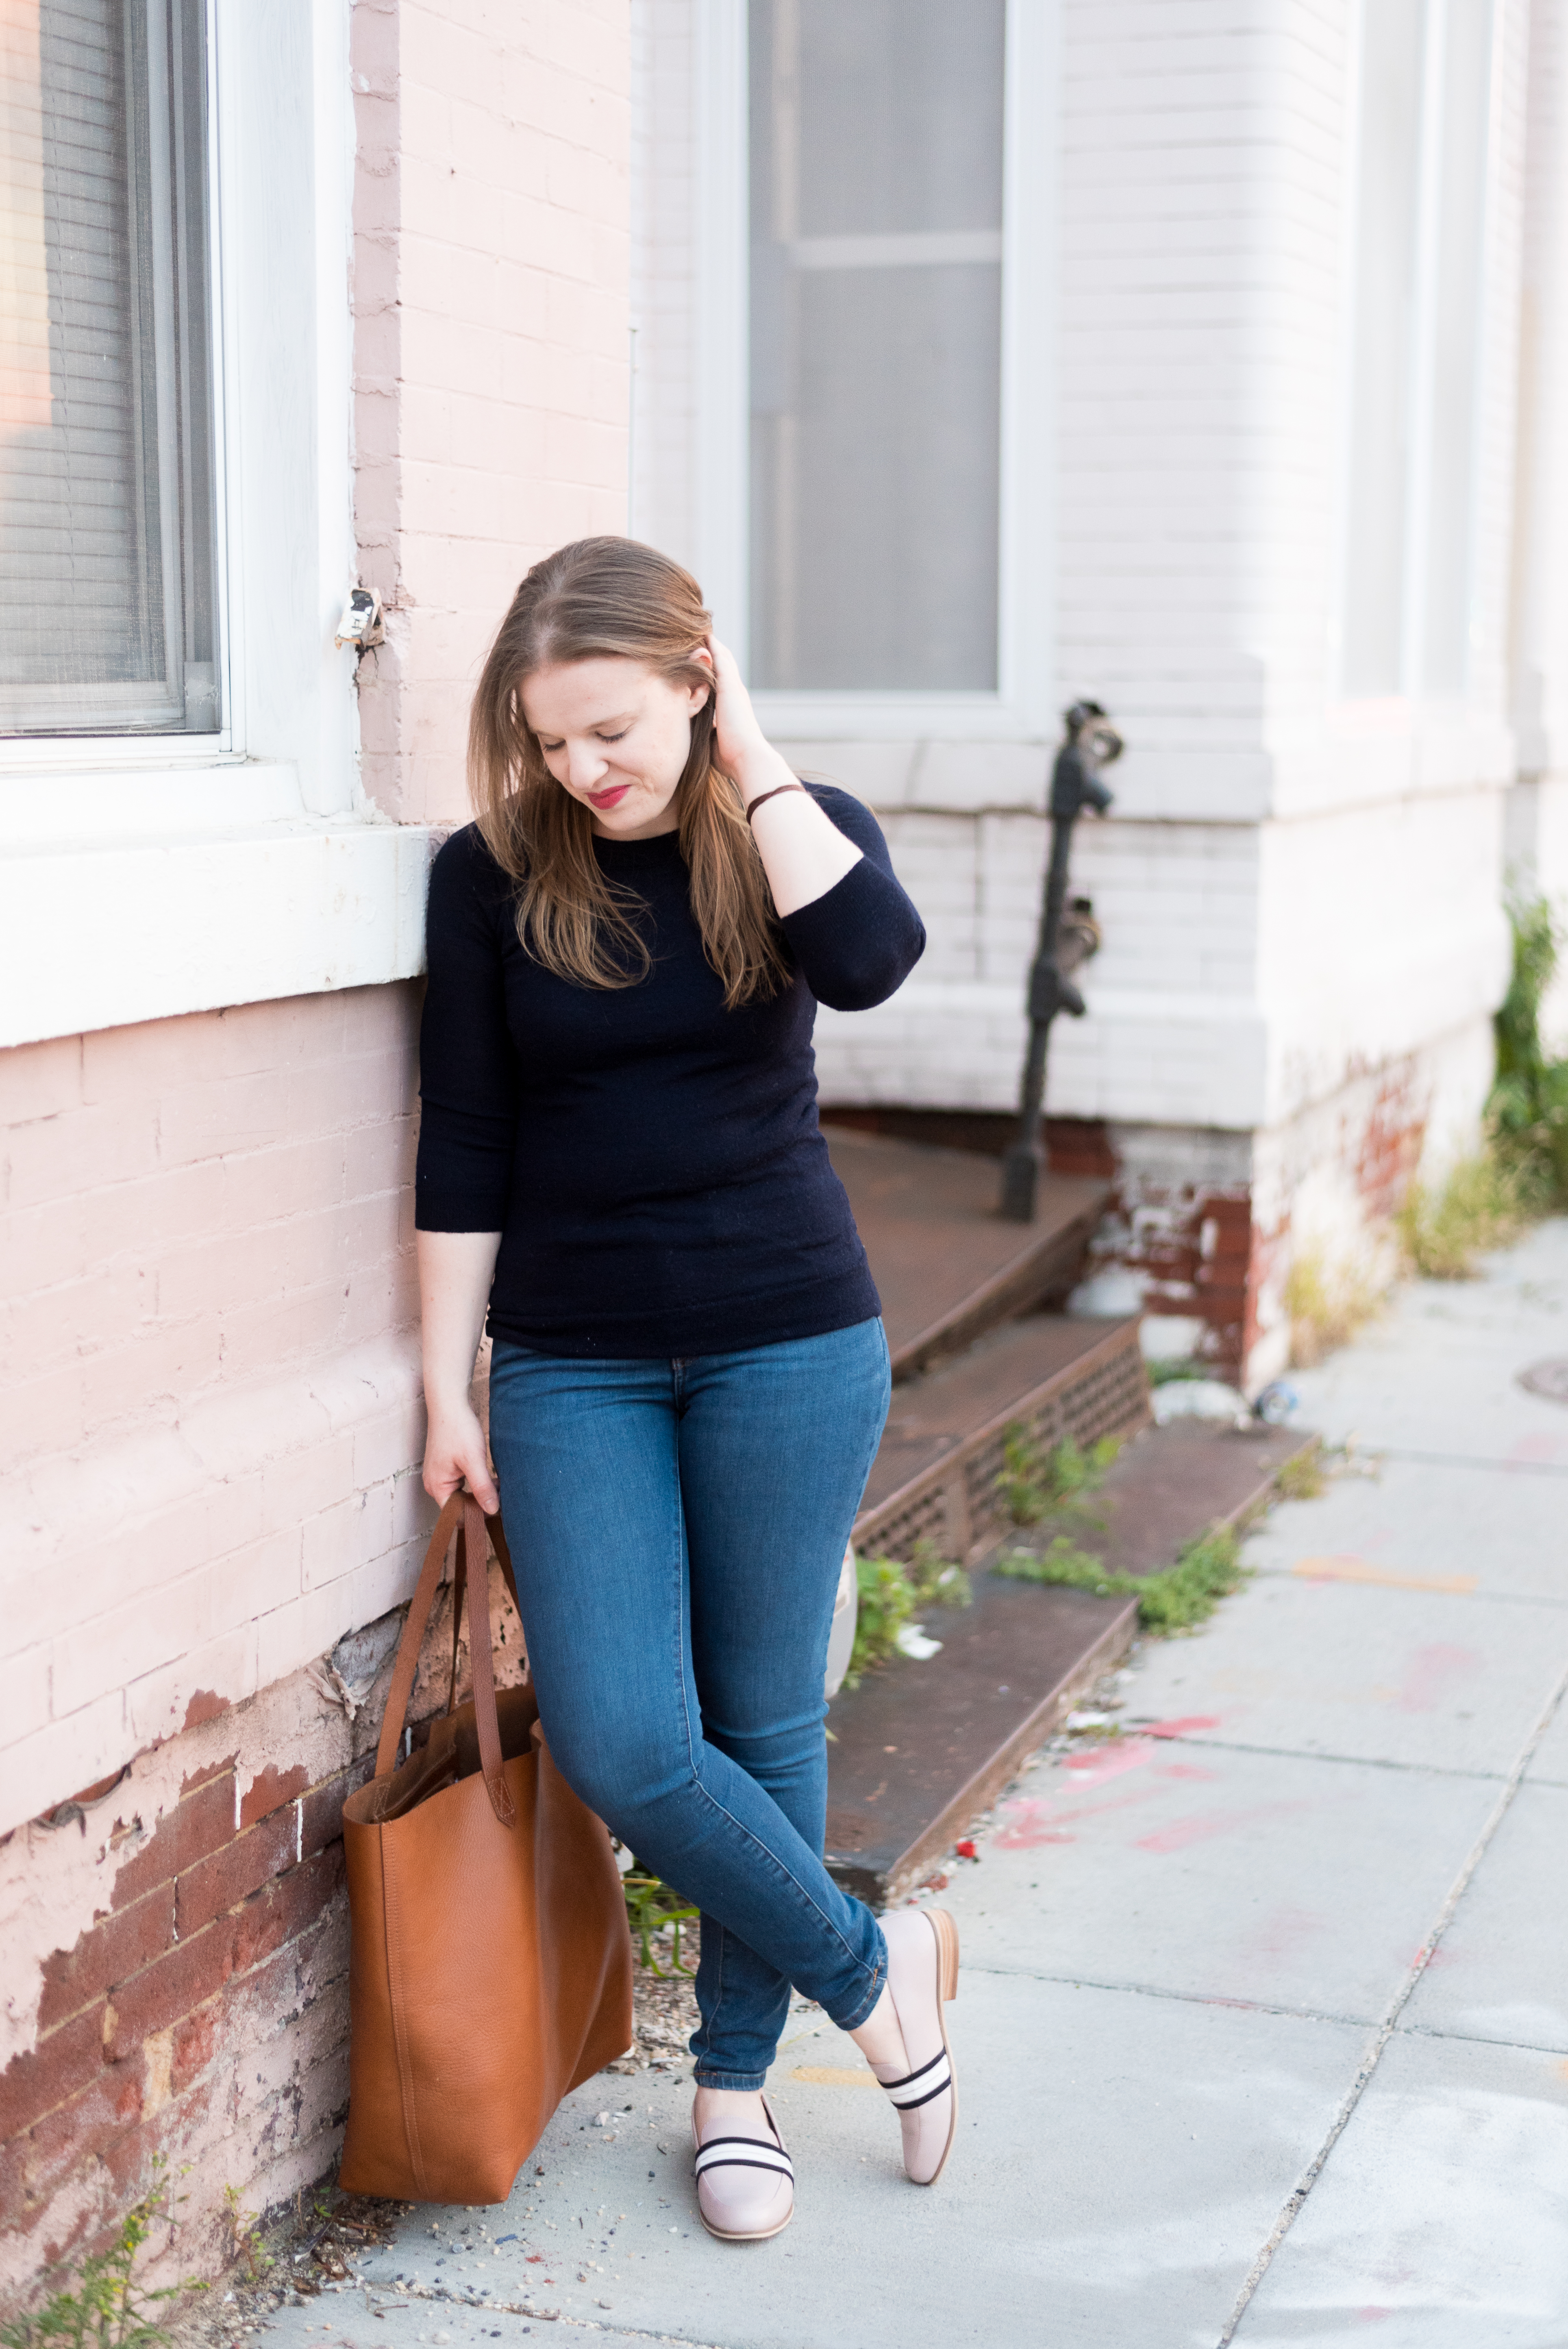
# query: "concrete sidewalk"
1262,2030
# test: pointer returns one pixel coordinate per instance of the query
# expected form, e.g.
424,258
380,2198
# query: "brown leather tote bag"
491,1965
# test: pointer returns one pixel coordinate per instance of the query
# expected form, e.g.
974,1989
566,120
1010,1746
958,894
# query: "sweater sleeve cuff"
443,1208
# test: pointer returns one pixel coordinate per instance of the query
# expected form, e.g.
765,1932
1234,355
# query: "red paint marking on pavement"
1539,1446
1185,1770
1178,1728
1031,1824
1282,1932
1211,1824
1432,1674
1109,1761
1373,2315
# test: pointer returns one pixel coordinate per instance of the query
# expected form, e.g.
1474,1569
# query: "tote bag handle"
463,1516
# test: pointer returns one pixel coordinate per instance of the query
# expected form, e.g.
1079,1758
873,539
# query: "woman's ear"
702,694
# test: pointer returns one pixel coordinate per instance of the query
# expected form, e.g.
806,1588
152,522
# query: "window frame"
1401,708
247,865
138,748
1023,705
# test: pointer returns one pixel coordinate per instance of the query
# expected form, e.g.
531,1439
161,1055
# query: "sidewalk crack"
1395,2007
1160,1990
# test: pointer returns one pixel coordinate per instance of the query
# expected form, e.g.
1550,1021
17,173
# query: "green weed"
1185,1594
651,1906
1036,1482
108,2309
1303,1479
890,1591
1528,1110
1327,1303
246,2226
1482,1203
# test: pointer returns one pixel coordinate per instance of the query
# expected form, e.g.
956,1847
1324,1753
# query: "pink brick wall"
491,341
210,1420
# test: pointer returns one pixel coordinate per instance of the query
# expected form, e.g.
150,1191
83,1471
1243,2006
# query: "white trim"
1024,708
917,249
721,467
1431,162
142,876
1421,390
147,929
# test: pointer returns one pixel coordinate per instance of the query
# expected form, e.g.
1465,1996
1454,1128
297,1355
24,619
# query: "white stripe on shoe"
721,2153
917,2088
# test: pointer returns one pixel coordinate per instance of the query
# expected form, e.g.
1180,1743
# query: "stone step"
921,1750
935,1472
946,1265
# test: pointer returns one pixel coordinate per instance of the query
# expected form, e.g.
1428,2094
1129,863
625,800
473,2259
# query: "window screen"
106,604
876,266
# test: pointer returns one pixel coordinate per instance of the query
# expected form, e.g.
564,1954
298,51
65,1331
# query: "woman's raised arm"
803,853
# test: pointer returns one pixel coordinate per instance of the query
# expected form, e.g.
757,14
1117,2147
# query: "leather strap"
463,1516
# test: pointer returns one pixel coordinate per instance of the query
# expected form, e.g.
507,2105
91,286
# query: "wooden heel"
946,1932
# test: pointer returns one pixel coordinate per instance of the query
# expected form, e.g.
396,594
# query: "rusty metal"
1068,937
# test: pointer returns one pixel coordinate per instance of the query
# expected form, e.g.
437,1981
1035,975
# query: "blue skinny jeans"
677,1528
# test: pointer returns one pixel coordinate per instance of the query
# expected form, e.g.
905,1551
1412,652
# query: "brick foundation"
199,2009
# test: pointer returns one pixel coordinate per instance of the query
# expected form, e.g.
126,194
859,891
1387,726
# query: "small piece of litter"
1088,1721
966,1849
910,1640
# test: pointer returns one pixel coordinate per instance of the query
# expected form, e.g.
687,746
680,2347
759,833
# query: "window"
876,196
1425,95
107,623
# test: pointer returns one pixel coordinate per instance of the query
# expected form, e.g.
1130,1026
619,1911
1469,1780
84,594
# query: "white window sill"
140,895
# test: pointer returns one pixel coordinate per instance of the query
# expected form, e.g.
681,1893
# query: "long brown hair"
597,598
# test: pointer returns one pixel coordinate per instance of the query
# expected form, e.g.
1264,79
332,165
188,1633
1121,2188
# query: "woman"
619,1157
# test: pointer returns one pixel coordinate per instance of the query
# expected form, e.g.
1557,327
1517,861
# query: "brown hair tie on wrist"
763,797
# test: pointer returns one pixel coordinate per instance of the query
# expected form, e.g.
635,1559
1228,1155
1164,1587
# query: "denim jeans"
677,1529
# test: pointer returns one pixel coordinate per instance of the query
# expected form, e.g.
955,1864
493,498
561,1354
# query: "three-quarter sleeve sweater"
652,1160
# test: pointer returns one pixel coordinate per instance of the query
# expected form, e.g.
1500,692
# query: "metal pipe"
1092,742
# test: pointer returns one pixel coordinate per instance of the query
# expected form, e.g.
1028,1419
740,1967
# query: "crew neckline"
664,847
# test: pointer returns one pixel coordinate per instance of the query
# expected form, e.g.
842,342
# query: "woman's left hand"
739,745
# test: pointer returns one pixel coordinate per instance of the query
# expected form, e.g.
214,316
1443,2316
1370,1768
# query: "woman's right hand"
456,1453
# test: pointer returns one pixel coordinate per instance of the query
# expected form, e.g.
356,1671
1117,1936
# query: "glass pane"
1387,224
105,501
876,218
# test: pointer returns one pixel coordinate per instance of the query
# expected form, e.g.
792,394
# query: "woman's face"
617,737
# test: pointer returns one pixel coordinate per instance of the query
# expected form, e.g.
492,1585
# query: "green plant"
891,1589
1303,1477
1035,1483
1528,1110
935,1581
1165,1369
1326,1303
246,2225
651,1906
886,1604
1482,1202
108,2309
1174,1600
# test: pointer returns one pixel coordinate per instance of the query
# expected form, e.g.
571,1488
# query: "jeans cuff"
855,2015
742,2082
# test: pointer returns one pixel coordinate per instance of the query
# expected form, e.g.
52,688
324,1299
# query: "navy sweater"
652,1160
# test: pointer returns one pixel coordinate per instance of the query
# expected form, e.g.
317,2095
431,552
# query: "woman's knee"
621,1776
